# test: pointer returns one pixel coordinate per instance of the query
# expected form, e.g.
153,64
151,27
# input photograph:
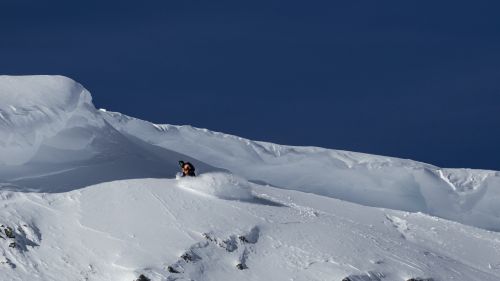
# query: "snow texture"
89,194
52,139
464,195
220,185
35,108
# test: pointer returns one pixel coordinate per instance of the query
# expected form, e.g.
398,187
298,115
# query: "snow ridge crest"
34,108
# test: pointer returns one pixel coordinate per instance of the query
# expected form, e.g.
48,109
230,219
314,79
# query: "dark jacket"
189,173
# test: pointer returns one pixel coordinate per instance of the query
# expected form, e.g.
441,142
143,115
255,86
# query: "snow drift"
220,185
53,139
463,195
119,230
36,108
80,202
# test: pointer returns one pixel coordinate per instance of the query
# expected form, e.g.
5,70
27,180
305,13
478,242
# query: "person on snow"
187,169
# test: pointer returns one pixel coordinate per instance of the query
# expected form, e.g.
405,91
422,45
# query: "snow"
463,195
119,230
91,195
35,108
219,185
53,139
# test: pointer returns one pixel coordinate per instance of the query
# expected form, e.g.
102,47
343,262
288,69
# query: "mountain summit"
36,108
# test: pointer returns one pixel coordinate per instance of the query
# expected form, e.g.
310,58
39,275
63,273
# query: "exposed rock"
229,245
5,261
172,270
190,257
9,233
241,266
252,237
243,239
143,278
370,276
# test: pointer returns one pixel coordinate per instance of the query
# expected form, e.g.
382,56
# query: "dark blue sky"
411,79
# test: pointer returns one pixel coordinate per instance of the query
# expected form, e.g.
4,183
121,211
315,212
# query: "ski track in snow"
45,174
164,206
298,256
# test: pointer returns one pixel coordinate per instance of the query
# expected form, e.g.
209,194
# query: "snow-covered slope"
464,195
35,108
79,202
119,230
53,139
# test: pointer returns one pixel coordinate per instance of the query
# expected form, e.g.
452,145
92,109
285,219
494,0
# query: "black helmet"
182,163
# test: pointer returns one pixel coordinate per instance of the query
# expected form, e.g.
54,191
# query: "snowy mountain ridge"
35,108
88,194
464,195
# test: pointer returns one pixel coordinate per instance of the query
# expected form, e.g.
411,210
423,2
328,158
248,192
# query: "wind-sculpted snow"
220,185
122,229
36,108
52,139
463,195
78,202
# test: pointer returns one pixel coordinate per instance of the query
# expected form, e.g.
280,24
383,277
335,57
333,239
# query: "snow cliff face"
36,108
52,139
79,203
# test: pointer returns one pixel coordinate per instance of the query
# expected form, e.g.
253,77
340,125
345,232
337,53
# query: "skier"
187,169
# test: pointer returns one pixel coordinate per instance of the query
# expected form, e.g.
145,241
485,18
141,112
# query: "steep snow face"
70,211
52,138
36,108
463,195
